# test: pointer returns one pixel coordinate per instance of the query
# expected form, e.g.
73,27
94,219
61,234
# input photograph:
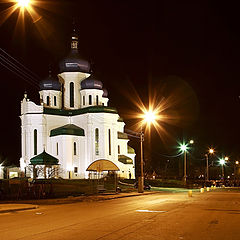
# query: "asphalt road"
210,215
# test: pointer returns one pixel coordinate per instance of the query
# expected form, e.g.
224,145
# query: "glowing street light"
23,3
226,158
191,141
211,151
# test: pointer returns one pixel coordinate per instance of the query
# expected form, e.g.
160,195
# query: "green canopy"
69,129
44,159
124,159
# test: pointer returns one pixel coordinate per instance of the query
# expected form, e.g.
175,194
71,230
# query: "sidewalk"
22,205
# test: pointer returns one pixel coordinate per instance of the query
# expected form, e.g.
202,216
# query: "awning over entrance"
102,165
44,159
124,159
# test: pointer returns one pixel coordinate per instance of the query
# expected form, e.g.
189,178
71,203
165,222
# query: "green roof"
124,159
130,150
122,135
120,119
69,129
92,109
44,159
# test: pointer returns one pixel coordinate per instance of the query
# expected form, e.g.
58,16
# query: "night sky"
182,51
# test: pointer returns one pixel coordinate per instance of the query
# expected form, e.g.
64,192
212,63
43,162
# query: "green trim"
69,129
92,109
120,119
122,135
124,159
130,150
44,159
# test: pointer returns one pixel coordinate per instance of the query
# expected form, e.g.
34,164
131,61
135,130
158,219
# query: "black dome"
91,83
50,83
73,62
105,92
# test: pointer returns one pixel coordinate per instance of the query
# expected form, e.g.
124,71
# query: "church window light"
71,94
96,100
109,142
97,141
57,148
35,142
118,149
90,99
74,148
83,100
55,101
48,100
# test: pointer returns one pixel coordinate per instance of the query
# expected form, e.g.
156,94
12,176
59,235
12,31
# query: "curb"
18,209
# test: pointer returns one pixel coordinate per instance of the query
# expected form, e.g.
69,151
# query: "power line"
37,77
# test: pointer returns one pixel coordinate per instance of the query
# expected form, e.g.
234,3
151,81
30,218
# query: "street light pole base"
140,184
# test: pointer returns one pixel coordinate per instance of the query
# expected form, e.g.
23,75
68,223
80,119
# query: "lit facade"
74,123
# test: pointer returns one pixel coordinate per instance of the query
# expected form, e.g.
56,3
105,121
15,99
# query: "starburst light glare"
150,116
211,150
222,161
183,147
23,3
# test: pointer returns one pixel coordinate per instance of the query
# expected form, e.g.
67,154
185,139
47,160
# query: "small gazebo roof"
102,165
44,159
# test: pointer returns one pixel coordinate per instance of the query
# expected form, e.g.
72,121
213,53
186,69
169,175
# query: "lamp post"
222,162
210,151
149,117
235,170
183,148
141,178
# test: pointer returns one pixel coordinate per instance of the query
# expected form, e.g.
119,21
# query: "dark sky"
184,51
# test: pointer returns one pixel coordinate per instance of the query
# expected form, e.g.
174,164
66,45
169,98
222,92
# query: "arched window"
71,94
35,142
109,142
96,100
55,101
57,149
74,148
48,100
83,100
118,149
97,141
90,99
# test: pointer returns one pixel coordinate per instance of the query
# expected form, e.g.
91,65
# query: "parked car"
145,187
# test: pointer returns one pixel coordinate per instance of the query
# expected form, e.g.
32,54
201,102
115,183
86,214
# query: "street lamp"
210,151
183,148
222,162
149,117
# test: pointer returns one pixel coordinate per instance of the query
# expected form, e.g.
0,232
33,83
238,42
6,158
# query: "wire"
19,75
21,65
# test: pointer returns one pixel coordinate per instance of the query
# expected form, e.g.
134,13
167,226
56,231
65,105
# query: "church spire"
74,42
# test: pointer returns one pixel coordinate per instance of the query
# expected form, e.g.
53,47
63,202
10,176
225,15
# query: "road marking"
150,211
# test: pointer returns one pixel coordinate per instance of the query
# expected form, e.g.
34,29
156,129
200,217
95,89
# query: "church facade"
74,123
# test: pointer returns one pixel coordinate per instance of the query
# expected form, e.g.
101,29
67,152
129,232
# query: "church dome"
73,62
50,83
91,83
105,92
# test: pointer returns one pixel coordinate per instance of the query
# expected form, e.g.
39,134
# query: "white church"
73,126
